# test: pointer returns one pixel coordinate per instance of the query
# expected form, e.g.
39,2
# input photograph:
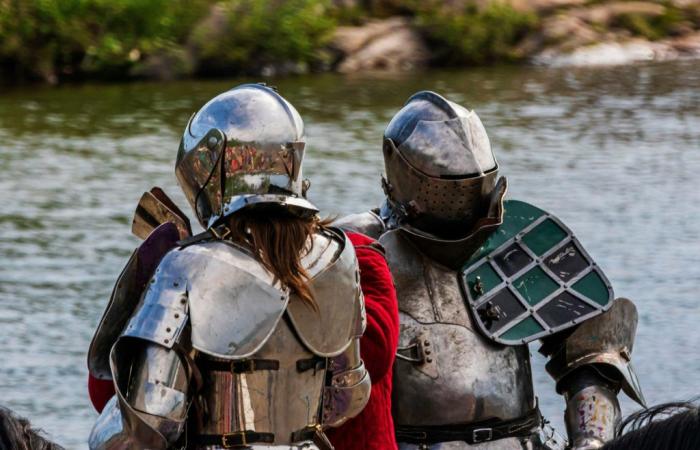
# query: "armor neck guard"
452,253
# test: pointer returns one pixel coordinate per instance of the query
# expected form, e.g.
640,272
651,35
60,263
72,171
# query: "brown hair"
278,241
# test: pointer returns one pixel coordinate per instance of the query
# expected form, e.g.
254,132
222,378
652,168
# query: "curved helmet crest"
244,148
440,169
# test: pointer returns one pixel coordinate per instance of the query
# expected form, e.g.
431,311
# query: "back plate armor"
269,365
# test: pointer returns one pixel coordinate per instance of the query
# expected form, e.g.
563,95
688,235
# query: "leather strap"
241,366
236,439
314,434
315,363
473,433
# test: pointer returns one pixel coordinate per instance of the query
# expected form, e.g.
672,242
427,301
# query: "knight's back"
260,371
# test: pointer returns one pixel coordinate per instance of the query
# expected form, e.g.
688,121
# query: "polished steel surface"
439,165
275,401
246,141
158,382
591,417
453,252
434,204
232,301
462,377
368,223
440,138
603,147
328,329
349,388
605,340
108,431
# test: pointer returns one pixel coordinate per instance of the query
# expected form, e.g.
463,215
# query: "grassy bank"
55,41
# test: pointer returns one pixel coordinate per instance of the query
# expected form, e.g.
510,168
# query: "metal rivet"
166,340
427,352
183,300
429,360
426,343
213,141
168,330
177,316
176,284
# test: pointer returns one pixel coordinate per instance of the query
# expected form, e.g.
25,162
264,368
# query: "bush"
244,36
472,35
652,27
99,38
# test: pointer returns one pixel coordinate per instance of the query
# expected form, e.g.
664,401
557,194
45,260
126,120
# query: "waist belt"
246,438
238,366
471,433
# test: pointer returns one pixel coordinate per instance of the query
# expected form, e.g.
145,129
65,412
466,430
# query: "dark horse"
669,426
17,434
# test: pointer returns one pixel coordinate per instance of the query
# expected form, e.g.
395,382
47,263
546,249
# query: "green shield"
532,278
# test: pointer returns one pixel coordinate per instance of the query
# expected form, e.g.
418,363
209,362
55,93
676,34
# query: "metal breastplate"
458,376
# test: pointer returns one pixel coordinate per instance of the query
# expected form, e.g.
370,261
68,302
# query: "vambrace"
602,344
348,391
151,402
592,410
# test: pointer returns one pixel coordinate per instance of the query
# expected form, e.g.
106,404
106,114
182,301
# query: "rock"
688,45
568,31
609,53
391,44
606,13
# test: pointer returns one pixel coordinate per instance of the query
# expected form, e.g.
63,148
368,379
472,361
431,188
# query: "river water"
614,152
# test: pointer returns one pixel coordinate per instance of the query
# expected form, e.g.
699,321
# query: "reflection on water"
614,152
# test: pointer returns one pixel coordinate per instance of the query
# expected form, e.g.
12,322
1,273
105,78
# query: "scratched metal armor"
462,378
205,347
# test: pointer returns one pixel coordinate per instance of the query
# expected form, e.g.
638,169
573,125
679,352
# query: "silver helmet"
244,148
440,170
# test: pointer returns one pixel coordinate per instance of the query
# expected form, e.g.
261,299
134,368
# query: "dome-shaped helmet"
244,148
440,170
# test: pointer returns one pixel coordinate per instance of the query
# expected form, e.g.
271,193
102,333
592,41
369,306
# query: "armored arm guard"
150,406
151,373
590,366
348,391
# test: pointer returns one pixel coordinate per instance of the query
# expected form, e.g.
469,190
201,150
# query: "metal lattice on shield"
532,278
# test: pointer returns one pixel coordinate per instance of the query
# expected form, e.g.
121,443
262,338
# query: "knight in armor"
478,277
245,335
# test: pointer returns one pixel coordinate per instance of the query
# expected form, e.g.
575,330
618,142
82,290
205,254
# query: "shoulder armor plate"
126,295
234,304
532,278
328,329
368,223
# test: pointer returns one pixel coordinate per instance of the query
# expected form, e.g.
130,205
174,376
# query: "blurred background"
592,107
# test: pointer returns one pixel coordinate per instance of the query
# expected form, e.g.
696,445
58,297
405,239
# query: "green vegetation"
473,35
57,40
97,38
653,27
253,34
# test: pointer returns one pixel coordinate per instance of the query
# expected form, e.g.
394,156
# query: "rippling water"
614,152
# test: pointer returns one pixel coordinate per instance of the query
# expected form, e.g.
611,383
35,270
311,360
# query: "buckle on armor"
241,435
482,435
245,366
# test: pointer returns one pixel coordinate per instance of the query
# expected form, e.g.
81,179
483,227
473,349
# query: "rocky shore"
568,33
167,39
